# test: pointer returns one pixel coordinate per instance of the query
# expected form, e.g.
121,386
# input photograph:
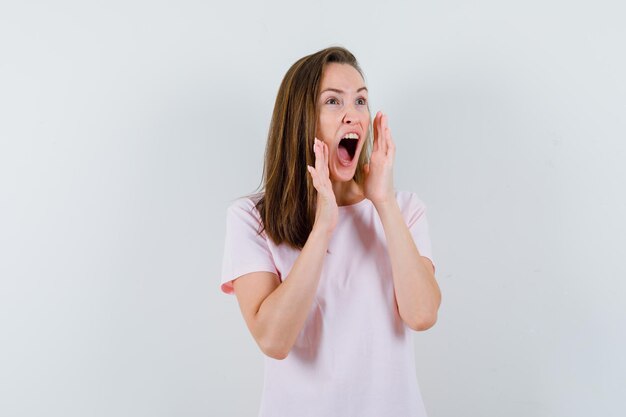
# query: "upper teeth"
351,136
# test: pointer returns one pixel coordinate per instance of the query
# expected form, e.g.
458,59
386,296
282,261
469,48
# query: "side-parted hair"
288,199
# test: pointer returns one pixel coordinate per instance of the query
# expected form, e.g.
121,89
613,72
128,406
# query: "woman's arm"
417,293
283,313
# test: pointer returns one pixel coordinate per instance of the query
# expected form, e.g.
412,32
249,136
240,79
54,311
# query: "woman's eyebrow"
336,90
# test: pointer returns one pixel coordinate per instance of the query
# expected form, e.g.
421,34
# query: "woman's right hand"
327,213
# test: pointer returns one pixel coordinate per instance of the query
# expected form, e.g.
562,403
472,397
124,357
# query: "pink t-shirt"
354,356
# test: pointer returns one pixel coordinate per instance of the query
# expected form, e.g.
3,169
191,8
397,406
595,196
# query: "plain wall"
126,128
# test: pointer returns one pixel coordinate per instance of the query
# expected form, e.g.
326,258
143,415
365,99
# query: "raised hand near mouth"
326,213
378,185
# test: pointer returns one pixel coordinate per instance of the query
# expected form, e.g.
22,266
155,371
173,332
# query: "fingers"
385,134
391,147
380,133
320,172
313,170
322,157
376,131
383,142
326,155
319,156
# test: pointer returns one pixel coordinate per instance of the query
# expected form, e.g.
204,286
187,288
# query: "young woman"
331,266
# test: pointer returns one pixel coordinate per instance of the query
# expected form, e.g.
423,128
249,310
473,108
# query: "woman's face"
342,109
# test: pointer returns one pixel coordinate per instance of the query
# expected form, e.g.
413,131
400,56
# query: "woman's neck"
347,193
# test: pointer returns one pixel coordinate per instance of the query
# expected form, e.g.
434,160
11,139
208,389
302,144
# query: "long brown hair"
288,198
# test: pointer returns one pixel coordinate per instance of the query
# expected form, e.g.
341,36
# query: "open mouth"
347,150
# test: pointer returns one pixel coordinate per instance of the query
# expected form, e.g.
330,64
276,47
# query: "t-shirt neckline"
357,204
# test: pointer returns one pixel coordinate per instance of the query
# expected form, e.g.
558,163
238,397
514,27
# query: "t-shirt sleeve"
245,250
418,226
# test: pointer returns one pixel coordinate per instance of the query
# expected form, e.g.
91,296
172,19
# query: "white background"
126,128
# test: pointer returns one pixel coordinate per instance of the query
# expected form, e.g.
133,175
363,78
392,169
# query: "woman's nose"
350,116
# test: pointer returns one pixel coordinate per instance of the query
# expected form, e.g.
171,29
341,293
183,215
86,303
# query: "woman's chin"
342,173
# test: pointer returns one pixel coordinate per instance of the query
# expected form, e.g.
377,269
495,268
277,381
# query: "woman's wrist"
321,230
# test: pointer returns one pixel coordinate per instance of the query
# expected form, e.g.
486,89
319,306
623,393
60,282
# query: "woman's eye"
360,101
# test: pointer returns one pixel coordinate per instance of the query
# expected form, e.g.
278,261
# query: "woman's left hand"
378,185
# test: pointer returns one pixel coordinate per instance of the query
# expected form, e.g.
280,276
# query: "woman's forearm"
417,293
283,313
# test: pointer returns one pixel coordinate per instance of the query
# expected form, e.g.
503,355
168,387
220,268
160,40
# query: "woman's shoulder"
407,197
246,204
410,202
